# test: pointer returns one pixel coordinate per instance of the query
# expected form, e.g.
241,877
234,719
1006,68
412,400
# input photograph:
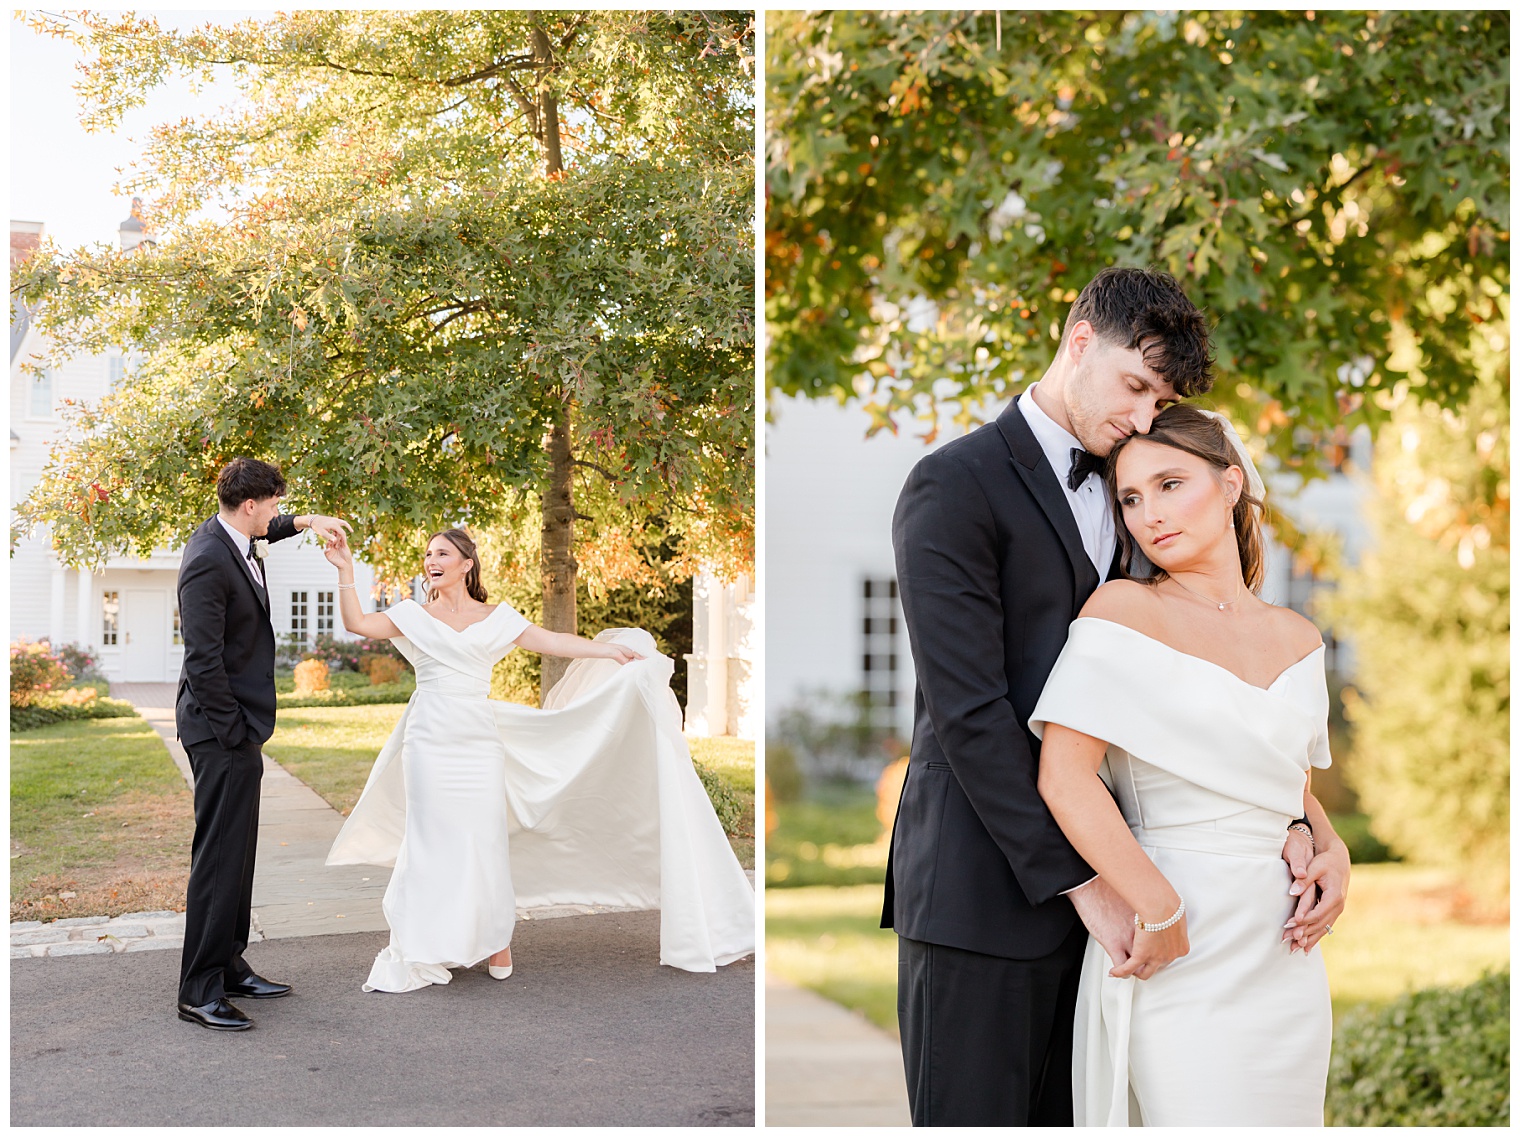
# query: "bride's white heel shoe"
498,972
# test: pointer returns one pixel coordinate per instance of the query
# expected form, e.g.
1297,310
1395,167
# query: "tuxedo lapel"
241,557
1033,468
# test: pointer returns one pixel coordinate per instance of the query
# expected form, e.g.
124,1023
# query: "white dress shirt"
240,542
1090,504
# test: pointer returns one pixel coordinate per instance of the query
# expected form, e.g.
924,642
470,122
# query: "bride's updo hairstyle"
1186,428
462,541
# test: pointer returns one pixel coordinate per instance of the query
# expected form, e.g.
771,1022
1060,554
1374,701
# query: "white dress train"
484,807
1208,771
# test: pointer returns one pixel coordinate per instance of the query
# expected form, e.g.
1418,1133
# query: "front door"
146,623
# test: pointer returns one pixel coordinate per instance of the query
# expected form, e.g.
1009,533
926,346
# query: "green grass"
1396,935
99,810
332,749
827,939
832,839
733,759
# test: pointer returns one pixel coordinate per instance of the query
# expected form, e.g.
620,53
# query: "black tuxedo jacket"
226,686
991,570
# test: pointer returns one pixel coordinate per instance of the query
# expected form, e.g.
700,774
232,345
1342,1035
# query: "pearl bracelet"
1141,925
348,586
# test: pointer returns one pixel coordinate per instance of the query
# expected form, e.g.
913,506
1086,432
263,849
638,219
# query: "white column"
84,610
57,593
707,665
739,618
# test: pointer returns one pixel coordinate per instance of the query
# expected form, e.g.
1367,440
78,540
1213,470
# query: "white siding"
35,573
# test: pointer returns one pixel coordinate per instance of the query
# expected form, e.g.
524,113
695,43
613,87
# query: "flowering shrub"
349,655
79,661
35,670
311,677
382,669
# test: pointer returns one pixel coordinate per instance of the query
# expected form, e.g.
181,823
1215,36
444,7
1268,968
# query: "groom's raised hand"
330,529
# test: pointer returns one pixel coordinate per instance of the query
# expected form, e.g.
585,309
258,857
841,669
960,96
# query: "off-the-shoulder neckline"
1281,675
451,627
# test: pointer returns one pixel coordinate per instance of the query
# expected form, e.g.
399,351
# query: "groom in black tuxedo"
224,711
1000,538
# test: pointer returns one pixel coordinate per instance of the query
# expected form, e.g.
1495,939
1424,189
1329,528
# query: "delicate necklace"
1219,604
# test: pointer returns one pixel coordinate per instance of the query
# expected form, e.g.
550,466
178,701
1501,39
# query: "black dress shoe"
255,987
220,1015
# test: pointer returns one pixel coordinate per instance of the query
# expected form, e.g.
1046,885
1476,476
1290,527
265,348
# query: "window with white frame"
298,626
118,366
40,403
110,618
324,613
179,636
880,620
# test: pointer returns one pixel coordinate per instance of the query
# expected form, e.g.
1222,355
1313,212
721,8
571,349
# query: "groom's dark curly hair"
1146,309
243,479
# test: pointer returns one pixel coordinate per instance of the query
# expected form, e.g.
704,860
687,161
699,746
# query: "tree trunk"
557,557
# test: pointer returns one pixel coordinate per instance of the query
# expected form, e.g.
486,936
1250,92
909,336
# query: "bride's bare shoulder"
1301,634
1126,602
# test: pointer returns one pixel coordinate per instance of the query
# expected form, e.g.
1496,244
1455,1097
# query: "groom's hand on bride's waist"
1106,916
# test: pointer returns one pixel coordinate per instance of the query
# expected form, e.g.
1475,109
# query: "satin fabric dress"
484,807
1208,771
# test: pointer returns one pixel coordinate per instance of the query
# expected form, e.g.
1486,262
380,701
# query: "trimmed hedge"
725,801
349,697
48,713
1434,1057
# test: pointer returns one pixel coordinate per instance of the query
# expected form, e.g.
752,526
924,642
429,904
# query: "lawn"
734,760
101,821
1396,935
331,749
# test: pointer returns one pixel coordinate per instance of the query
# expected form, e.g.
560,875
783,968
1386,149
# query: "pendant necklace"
1218,604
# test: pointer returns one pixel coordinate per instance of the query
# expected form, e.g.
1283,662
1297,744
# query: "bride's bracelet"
1141,925
355,585
1303,827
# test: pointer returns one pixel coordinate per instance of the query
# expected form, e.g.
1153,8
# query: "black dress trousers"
987,1040
220,894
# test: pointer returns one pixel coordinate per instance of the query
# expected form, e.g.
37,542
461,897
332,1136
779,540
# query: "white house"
124,614
834,622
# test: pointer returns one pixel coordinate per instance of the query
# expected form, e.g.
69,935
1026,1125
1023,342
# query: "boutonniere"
261,548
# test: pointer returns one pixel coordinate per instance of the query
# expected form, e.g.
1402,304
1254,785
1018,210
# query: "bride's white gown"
1208,771
484,806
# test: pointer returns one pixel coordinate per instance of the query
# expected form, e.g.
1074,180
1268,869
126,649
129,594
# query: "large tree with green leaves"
1332,187
433,264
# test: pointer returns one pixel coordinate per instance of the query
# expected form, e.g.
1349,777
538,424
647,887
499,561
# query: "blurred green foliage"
1428,608
832,838
1435,1057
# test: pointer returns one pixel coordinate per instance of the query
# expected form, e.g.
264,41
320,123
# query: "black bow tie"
1082,464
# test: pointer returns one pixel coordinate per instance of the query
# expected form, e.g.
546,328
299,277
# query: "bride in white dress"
1179,727
484,806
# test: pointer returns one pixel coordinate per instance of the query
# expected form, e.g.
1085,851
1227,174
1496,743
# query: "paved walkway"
294,892
590,1030
825,1065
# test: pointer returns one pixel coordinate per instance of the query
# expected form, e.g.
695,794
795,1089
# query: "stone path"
294,892
825,1065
